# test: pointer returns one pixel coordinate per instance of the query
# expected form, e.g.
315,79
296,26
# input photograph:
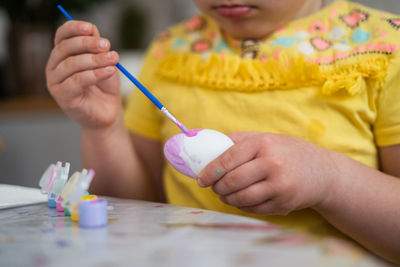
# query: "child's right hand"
82,77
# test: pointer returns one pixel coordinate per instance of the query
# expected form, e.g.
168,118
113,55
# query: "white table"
152,234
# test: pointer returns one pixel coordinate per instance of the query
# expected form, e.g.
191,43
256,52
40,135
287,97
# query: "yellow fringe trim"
234,73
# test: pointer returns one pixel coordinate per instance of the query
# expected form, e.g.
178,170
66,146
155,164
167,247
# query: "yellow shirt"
331,78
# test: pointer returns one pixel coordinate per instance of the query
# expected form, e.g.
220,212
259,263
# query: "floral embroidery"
317,27
354,19
159,50
201,46
341,47
383,35
301,34
163,36
318,48
284,41
222,45
195,24
178,42
305,48
335,41
360,36
395,23
235,43
336,33
320,43
210,35
372,48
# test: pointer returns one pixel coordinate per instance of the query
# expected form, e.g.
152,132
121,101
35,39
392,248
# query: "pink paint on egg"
191,151
191,133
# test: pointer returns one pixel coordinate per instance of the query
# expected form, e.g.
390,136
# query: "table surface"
152,234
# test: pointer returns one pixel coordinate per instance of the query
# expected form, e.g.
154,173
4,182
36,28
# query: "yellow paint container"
75,211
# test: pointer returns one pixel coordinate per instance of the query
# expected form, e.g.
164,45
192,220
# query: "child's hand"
270,174
82,77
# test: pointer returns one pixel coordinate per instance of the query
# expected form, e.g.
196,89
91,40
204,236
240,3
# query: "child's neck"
309,7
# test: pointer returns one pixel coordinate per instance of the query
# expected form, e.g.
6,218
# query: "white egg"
189,153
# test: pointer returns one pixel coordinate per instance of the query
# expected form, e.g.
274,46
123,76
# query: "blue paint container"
51,202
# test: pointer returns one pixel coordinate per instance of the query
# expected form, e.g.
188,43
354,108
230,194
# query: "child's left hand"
271,174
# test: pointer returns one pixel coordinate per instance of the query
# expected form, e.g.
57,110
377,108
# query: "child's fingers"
235,156
77,45
269,207
252,195
240,136
75,84
81,63
75,28
241,177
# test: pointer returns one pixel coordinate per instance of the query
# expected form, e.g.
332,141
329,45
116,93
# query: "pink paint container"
59,206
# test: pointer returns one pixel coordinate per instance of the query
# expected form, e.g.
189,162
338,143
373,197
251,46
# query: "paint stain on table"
287,239
119,234
39,260
48,230
62,243
196,212
227,226
9,239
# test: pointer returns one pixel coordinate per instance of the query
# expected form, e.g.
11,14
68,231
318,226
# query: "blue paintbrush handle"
124,71
140,86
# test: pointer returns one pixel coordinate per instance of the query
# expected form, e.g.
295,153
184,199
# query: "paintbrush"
139,85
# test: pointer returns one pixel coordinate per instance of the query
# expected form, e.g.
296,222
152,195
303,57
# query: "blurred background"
33,130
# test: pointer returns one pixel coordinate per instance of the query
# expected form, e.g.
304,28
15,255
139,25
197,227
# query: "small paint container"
75,209
66,207
93,213
59,206
74,213
51,202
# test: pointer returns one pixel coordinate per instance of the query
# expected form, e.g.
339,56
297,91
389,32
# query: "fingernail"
109,69
86,27
201,174
110,55
103,44
200,183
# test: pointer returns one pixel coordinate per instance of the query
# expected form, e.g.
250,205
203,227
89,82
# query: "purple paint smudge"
61,243
119,234
49,230
172,148
22,212
40,260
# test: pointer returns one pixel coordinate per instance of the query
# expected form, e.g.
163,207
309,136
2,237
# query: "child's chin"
238,31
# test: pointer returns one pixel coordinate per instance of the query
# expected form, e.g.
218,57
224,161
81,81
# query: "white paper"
15,196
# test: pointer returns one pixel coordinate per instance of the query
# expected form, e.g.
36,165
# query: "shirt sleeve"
141,116
387,124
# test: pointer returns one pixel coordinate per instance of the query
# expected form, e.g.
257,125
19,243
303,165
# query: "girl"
307,89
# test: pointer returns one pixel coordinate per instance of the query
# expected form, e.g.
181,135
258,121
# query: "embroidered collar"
337,48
